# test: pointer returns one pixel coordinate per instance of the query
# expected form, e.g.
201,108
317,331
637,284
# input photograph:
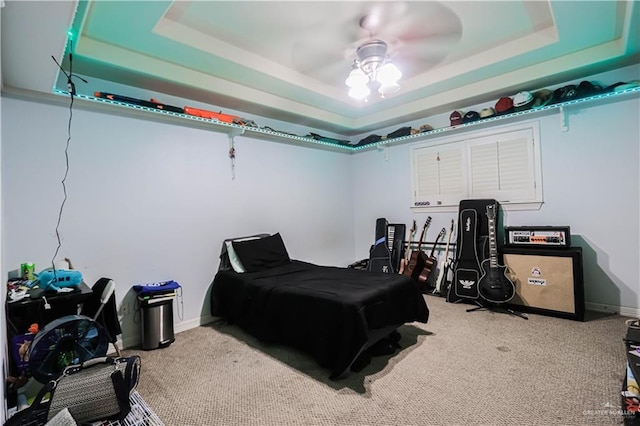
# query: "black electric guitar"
494,285
407,253
380,255
445,266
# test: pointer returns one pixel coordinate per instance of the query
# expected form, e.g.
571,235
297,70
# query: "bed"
331,313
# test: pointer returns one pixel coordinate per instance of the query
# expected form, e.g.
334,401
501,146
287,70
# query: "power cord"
72,93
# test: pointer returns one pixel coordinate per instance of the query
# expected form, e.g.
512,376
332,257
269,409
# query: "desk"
22,313
27,311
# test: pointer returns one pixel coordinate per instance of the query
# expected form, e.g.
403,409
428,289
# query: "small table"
22,313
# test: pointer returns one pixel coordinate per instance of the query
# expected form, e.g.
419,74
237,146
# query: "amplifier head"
537,236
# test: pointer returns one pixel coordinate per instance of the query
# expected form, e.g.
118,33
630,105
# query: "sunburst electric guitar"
430,260
416,260
404,262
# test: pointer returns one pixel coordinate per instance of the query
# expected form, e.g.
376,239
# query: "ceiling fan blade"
309,56
416,32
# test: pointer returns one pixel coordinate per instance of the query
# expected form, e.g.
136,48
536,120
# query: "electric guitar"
417,255
445,265
404,262
430,260
494,285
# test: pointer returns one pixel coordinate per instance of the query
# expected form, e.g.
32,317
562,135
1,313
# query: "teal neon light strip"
499,117
384,142
205,120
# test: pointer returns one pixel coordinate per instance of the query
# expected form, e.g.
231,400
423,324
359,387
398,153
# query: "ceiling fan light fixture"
360,92
356,78
372,65
371,55
387,89
388,74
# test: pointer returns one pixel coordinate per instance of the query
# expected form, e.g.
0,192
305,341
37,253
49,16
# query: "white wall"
149,201
3,339
590,182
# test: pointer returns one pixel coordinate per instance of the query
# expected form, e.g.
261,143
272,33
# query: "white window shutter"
439,175
503,164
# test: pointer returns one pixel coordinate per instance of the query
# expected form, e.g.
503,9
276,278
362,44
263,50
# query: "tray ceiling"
288,60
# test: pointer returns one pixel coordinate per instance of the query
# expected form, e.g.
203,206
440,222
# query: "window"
502,163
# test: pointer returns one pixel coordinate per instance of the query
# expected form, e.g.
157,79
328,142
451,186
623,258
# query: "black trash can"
156,307
157,322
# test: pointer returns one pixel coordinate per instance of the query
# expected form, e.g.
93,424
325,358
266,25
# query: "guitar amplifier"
548,281
537,236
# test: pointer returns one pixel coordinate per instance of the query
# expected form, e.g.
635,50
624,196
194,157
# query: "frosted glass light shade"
356,78
359,92
388,74
387,89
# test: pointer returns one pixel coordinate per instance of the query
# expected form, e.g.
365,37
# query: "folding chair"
103,296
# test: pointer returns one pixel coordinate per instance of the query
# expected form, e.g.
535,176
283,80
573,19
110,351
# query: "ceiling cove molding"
472,63
117,56
204,42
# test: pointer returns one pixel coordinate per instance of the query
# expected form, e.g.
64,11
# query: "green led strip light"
499,117
82,5
383,142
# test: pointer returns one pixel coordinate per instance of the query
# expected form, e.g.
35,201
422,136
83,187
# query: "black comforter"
325,311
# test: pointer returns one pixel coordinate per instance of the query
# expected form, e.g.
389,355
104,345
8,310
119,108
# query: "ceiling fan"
414,35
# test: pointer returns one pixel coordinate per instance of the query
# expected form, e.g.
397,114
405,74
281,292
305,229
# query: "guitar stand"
496,308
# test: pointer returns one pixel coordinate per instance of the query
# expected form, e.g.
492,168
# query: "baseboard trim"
206,319
613,309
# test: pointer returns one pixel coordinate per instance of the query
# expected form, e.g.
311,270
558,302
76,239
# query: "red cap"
456,118
504,105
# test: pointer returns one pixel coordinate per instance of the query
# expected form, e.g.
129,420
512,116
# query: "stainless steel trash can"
157,322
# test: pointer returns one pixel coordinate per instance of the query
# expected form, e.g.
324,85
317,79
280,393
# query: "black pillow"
263,253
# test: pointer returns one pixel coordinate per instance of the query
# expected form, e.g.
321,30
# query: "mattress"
328,312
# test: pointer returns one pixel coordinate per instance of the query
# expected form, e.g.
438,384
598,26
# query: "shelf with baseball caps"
525,105
513,107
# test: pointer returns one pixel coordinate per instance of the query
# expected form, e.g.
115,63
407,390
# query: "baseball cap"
587,88
470,117
487,112
456,118
541,98
504,105
565,93
426,128
522,101
626,86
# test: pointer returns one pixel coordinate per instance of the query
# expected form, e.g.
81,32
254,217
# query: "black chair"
101,306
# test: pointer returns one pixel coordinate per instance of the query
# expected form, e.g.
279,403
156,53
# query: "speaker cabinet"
547,281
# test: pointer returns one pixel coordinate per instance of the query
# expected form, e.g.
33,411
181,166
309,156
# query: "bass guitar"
494,285
430,260
417,255
407,253
445,265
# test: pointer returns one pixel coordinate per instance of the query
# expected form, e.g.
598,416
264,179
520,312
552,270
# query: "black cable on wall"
72,93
